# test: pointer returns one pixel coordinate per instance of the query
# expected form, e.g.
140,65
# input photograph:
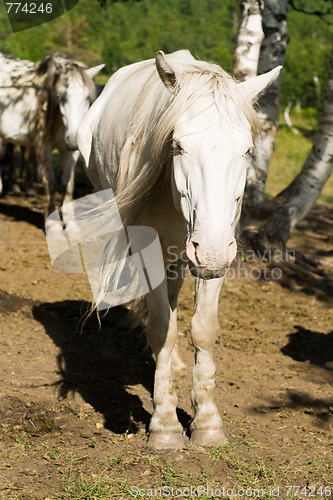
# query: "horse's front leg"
44,160
68,163
207,424
165,429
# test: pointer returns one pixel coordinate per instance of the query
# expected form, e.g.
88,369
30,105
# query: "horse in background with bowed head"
170,136
41,106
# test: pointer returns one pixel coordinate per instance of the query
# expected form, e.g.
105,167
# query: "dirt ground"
75,406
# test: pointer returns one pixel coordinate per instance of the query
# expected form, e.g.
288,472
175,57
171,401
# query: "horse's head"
71,90
211,140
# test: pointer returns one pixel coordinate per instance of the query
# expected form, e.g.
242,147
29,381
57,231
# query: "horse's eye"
177,148
61,98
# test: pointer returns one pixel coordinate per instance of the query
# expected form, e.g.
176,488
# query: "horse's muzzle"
71,143
207,274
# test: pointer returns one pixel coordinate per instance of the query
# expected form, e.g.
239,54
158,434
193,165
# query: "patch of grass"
21,438
291,151
222,452
152,459
88,487
80,414
124,489
258,475
169,476
326,388
54,452
246,464
84,415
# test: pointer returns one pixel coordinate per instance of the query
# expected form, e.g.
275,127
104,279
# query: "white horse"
170,136
42,105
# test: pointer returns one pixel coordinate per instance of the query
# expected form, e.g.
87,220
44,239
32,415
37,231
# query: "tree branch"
317,13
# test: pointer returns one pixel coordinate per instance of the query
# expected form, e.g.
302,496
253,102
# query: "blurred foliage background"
123,32
126,31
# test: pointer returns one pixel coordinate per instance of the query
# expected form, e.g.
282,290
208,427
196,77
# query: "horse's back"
105,117
17,98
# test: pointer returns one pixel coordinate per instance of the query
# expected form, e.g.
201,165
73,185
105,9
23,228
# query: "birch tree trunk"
272,53
249,40
293,203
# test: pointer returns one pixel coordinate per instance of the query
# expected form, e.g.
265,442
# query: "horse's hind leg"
207,425
165,429
13,177
27,155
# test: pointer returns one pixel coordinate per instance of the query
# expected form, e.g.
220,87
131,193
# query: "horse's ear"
92,72
255,86
165,71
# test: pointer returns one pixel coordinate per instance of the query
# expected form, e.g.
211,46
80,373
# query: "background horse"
42,105
170,136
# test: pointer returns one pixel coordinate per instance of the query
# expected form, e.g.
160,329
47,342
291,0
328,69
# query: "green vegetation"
307,55
291,150
247,467
84,487
128,31
125,32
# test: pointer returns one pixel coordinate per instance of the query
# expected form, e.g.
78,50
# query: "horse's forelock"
209,80
71,72
197,80
79,72
58,70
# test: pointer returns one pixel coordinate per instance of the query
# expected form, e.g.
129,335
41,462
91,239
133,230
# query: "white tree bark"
293,204
249,40
272,54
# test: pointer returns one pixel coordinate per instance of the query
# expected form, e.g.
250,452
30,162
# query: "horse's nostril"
196,246
231,243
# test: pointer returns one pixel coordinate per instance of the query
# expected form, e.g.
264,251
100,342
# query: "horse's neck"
47,119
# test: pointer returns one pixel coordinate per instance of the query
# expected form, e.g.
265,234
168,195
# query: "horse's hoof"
165,440
208,437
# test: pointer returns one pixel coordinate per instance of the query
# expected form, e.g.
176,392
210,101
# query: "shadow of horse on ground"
308,345
22,213
100,363
316,348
